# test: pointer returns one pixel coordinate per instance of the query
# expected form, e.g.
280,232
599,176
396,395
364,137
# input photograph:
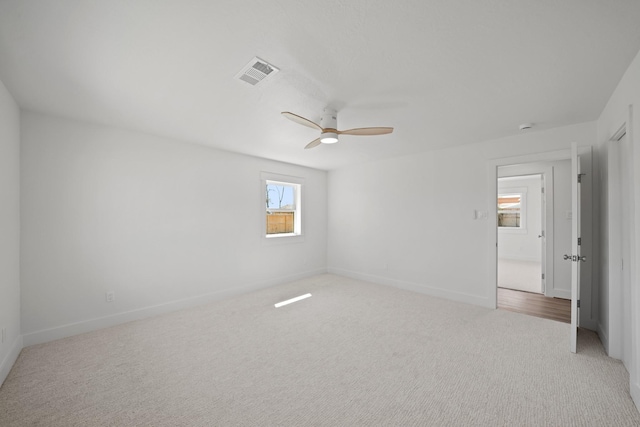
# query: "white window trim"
522,192
296,237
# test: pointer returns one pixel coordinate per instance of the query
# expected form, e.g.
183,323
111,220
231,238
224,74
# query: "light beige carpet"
354,354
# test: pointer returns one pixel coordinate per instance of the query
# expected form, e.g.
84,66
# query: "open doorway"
520,233
533,231
580,242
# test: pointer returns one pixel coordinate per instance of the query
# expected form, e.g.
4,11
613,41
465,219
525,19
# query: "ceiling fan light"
329,138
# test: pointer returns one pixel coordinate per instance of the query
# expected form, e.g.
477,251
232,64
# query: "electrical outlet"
109,296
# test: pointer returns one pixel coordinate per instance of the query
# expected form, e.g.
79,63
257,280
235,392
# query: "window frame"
510,191
298,184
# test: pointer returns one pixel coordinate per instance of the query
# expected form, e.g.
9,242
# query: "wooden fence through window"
280,222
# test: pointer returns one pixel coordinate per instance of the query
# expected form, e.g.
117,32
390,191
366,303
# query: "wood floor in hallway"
535,305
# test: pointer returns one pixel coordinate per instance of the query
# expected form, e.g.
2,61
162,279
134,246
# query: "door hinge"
578,303
542,189
580,175
542,276
579,241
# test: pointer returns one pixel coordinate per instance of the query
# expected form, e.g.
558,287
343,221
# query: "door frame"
546,215
492,229
614,339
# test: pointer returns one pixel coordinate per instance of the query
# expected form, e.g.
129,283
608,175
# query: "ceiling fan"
329,128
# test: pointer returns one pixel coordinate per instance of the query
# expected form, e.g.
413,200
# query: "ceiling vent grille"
256,71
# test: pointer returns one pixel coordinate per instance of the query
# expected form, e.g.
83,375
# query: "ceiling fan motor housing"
329,121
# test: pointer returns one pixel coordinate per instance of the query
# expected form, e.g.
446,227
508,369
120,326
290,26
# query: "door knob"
575,258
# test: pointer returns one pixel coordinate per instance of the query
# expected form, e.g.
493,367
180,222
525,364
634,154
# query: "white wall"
623,108
9,231
604,324
162,224
523,244
408,221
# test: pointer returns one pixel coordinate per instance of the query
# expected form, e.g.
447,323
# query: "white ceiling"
442,72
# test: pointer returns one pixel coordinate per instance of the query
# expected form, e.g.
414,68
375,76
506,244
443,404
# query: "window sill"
276,235
282,238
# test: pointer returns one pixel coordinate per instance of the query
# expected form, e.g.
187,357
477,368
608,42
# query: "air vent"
256,71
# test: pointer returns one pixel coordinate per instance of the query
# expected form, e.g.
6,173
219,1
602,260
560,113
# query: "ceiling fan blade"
313,143
366,131
301,120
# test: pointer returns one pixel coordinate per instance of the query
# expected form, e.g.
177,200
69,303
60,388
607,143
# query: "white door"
575,257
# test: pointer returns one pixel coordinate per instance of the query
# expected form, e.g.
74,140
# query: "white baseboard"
635,394
589,324
63,331
415,287
560,293
604,338
10,358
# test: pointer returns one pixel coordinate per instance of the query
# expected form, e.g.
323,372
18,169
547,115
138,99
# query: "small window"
510,210
282,206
